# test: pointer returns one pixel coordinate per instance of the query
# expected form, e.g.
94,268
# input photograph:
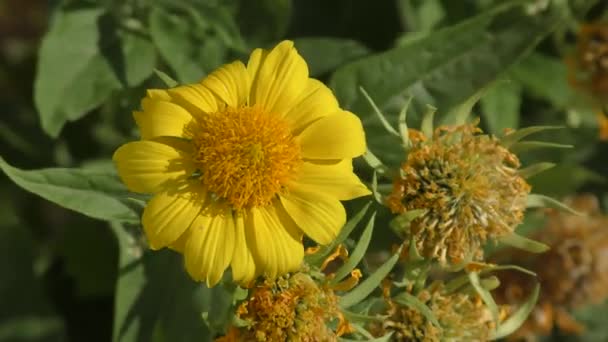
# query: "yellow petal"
169,214
281,77
336,179
275,241
243,265
151,166
180,244
230,83
161,118
195,98
337,136
256,59
315,102
319,216
210,247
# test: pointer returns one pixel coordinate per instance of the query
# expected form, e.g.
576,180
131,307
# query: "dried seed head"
469,187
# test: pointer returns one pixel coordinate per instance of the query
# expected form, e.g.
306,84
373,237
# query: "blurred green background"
67,91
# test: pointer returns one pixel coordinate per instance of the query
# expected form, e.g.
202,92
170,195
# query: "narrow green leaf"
357,317
358,253
513,137
168,80
385,338
408,300
511,324
376,164
458,114
374,187
427,125
484,294
542,201
325,251
92,193
366,287
462,280
535,169
522,242
524,146
389,128
402,120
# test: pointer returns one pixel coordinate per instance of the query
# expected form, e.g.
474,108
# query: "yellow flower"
243,164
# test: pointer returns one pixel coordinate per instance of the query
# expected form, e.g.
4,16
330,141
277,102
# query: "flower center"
245,155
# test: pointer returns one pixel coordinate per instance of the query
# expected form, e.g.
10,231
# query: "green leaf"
167,80
325,251
358,253
442,69
366,287
385,338
535,169
410,301
427,126
484,294
511,324
546,78
524,146
176,35
154,295
387,126
84,58
500,106
542,201
325,54
515,136
522,242
95,194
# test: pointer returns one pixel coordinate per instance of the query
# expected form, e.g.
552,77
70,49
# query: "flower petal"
195,98
169,214
337,136
276,242
279,79
315,102
161,118
336,179
319,216
151,166
210,247
230,83
243,265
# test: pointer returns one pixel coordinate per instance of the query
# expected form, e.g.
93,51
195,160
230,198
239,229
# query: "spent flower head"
468,188
573,273
293,307
461,317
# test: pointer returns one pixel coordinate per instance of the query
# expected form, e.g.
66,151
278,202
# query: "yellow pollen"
245,155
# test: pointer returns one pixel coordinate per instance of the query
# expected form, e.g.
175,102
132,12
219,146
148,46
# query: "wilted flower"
468,189
573,273
290,308
589,67
243,164
461,317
